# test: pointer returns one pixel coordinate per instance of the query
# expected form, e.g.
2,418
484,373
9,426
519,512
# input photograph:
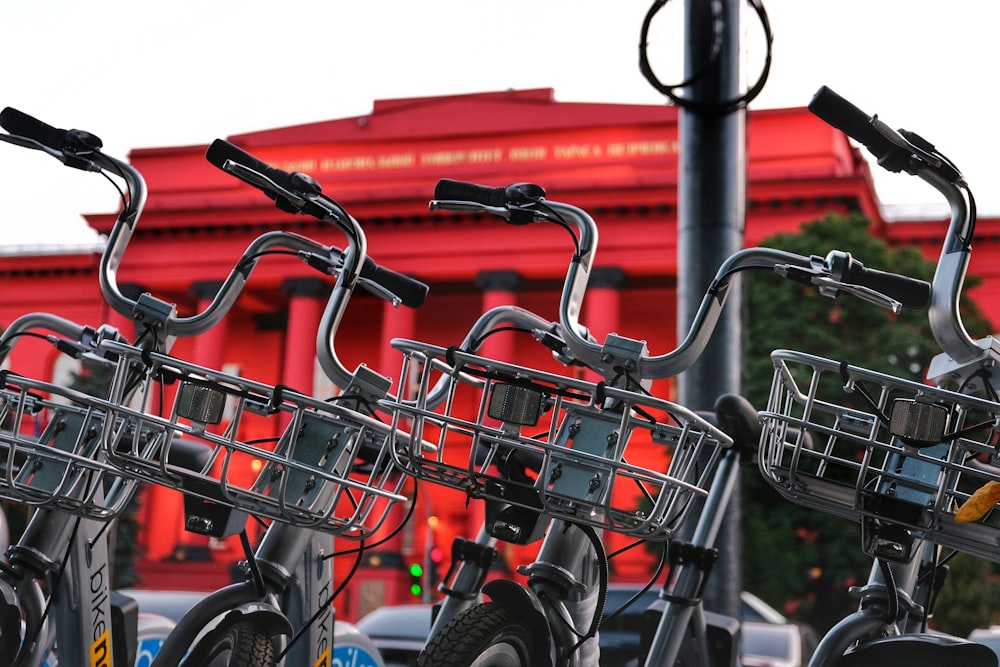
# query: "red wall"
618,162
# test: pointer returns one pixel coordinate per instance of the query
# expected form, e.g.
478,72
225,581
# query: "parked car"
171,604
775,644
399,631
987,636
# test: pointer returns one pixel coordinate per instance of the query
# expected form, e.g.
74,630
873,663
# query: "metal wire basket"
898,456
552,445
50,442
329,469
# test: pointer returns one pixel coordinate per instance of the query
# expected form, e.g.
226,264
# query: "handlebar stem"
945,319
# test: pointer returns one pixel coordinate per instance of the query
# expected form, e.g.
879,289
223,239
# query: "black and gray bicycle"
555,459
324,475
902,459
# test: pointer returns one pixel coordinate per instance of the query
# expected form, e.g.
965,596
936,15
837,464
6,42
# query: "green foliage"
801,560
968,599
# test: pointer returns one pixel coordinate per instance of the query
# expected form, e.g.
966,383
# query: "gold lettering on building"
348,163
397,160
304,165
642,148
485,155
578,151
527,153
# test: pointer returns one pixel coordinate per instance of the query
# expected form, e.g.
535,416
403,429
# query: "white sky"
143,74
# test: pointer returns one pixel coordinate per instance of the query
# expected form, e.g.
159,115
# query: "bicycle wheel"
237,645
487,635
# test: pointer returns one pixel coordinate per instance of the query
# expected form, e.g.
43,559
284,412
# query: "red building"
619,162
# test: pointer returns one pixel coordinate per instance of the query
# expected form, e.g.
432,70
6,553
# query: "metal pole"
711,218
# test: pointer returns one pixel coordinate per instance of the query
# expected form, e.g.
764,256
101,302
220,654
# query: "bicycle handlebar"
300,193
296,192
837,273
81,150
906,151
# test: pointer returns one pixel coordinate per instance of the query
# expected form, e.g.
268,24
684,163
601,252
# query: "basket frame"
858,470
584,491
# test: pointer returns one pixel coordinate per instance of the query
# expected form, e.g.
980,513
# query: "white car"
775,644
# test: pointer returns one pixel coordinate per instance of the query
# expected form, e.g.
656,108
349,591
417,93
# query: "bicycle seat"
738,419
920,650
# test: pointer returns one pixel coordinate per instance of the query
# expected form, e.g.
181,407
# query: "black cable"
324,607
258,576
395,531
890,588
718,21
121,193
556,218
58,578
602,591
242,264
477,343
642,591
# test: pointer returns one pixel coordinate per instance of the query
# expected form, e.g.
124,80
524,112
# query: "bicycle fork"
679,607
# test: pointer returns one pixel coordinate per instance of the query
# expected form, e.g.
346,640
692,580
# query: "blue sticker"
353,656
148,648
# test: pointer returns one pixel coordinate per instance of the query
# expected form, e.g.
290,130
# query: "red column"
603,317
603,305
209,347
208,351
397,322
124,323
499,289
307,297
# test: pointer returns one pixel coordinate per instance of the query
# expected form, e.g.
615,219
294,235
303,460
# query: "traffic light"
416,579
437,557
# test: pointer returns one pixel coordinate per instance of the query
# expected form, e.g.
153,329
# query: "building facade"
618,162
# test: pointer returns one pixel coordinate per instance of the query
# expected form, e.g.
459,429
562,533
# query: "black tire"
236,645
486,635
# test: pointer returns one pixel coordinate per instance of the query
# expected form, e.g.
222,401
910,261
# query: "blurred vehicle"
775,644
399,631
171,604
988,637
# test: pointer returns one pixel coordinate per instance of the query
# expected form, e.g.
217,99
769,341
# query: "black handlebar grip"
850,120
411,292
23,125
221,150
446,188
67,141
913,293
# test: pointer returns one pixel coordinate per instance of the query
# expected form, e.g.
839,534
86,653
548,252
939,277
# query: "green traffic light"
416,570
415,589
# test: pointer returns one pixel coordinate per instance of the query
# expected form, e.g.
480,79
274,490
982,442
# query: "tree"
819,555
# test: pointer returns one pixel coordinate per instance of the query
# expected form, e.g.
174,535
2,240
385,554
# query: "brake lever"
262,182
69,159
832,288
379,291
514,214
468,206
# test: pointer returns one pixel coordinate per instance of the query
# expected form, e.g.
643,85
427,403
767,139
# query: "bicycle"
186,461
56,584
327,475
900,458
566,484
